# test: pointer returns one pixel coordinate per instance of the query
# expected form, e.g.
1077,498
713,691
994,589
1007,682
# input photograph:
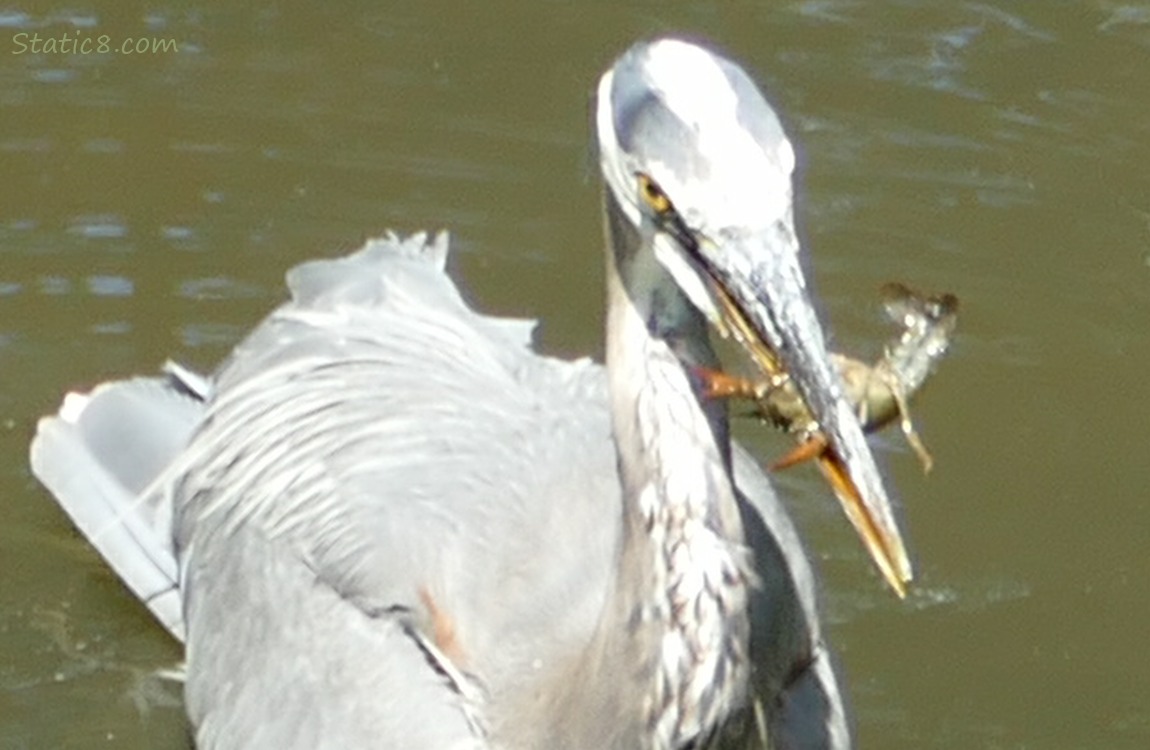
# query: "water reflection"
110,286
218,287
98,226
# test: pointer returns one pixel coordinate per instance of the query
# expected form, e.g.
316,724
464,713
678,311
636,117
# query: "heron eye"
654,196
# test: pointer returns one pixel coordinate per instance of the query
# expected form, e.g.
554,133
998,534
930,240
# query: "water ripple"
55,286
110,286
112,328
1125,15
104,146
27,145
98,226
1012,22
218,287
969,597
195,335
54,75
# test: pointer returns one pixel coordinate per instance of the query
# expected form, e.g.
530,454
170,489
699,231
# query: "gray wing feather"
98,455
399,449
318,673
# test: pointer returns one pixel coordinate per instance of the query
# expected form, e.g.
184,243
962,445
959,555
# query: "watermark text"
79,43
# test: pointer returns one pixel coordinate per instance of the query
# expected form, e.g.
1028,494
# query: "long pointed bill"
766,306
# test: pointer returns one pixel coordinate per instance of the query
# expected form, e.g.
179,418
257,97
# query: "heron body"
385,521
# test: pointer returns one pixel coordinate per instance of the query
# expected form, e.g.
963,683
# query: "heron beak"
761,295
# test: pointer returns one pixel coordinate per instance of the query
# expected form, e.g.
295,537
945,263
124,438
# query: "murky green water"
149,204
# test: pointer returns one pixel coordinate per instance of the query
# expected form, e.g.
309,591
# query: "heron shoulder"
413,450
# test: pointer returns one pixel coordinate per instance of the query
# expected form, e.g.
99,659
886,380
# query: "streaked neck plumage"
684,577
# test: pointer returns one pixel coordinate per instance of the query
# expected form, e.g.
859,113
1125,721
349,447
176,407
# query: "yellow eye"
653,195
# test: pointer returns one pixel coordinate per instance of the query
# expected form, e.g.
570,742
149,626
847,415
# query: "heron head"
699,172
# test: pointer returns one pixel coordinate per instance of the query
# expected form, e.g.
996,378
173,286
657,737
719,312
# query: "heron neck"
683,578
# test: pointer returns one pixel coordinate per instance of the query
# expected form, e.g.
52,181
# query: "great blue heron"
386,522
